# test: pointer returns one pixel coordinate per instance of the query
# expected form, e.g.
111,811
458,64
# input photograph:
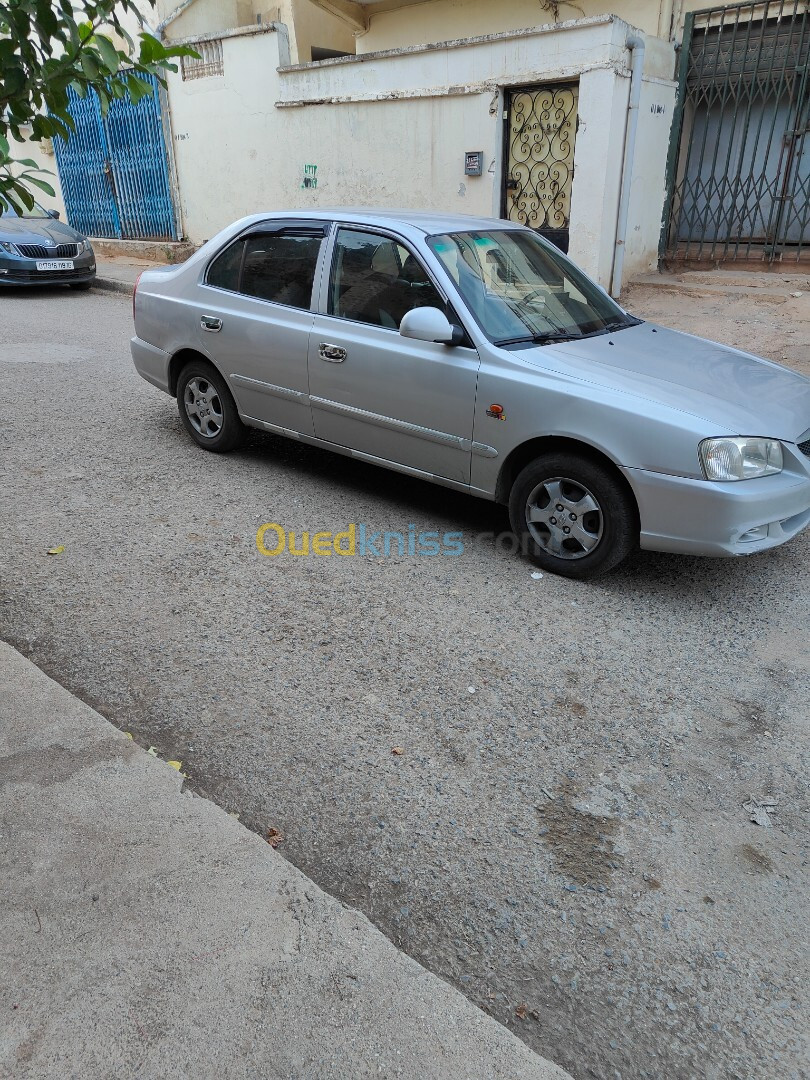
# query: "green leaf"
4,146
138,88
90,67
25,196
40,184
109,53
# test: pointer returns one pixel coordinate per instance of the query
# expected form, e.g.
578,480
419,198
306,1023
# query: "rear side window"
281,268
223,273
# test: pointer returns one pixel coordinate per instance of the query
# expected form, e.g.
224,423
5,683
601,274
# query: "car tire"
81,286
207,408
573,516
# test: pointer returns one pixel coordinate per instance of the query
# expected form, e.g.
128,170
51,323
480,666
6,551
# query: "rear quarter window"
223,273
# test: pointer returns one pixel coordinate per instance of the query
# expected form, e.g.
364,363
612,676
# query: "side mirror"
53,213
430,324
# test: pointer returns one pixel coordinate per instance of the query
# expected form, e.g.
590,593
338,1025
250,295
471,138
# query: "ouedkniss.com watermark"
273,540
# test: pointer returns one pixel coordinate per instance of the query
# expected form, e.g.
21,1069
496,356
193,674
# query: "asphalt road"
563,834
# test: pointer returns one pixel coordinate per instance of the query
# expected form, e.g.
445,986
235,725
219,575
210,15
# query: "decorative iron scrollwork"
542,127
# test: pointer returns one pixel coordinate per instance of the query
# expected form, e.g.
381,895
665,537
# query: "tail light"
134,291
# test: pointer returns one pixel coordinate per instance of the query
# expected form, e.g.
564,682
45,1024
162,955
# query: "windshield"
36,211
521,289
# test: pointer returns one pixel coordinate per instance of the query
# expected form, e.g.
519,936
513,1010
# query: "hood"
37,230
732,390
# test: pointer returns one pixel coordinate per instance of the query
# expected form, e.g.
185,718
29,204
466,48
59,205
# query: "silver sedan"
471,353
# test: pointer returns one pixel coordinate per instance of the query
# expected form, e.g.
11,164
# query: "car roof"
425,221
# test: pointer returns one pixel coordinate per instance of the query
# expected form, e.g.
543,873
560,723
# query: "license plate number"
55,264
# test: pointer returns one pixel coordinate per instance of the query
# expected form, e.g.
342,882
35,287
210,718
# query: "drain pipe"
635,44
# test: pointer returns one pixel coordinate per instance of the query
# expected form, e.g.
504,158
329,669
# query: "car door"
256,317
371,389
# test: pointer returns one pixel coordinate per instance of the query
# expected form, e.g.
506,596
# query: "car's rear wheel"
207,408
573,516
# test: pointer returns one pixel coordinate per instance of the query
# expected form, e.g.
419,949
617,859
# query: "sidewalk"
118,274
146,933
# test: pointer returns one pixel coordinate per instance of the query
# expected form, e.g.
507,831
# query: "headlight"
83,245
9,248
740,459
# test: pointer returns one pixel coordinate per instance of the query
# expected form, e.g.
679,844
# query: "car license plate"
56,264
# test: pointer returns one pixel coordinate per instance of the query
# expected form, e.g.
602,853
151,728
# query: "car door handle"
211,324
333,353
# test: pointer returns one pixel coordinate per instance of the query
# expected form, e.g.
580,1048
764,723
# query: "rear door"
395,398
255,318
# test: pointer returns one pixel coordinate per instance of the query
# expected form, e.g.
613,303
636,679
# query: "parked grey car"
38,249
472,353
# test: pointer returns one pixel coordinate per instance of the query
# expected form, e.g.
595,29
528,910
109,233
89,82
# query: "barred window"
210,62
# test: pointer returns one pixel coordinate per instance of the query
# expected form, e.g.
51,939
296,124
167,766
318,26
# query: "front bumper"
700,517
15,270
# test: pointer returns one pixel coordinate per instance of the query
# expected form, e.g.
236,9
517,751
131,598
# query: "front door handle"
333,353
211,324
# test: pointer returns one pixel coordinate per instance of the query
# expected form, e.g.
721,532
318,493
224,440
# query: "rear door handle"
333,353
211,324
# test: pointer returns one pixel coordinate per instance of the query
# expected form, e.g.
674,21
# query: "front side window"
521,289
376,280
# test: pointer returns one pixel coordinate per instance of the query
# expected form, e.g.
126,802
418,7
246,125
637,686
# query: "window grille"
210,62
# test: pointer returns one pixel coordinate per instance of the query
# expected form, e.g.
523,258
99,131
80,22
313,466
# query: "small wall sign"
309,178
474,162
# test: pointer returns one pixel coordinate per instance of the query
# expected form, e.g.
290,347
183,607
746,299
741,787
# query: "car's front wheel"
207,408
573,516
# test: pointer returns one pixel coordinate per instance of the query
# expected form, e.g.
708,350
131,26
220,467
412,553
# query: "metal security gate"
540,125
740,156
114,170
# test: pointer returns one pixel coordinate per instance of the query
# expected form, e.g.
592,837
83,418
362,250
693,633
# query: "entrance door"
114,169
540,128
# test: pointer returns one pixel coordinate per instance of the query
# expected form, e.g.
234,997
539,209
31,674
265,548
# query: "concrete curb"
111,285
146,933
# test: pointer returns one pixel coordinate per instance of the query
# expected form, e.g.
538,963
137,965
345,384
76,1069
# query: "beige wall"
307,24
445,20
313,26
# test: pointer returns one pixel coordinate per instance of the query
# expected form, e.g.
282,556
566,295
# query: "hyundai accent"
472,353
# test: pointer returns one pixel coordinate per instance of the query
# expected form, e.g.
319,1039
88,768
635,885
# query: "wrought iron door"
114,170
540,128
740,157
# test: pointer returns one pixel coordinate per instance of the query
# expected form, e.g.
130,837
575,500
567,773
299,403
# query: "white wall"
648,187
392,131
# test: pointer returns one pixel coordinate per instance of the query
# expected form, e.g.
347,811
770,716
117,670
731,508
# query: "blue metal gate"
114,169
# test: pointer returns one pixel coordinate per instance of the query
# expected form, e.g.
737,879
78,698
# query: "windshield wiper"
620,324
538,339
